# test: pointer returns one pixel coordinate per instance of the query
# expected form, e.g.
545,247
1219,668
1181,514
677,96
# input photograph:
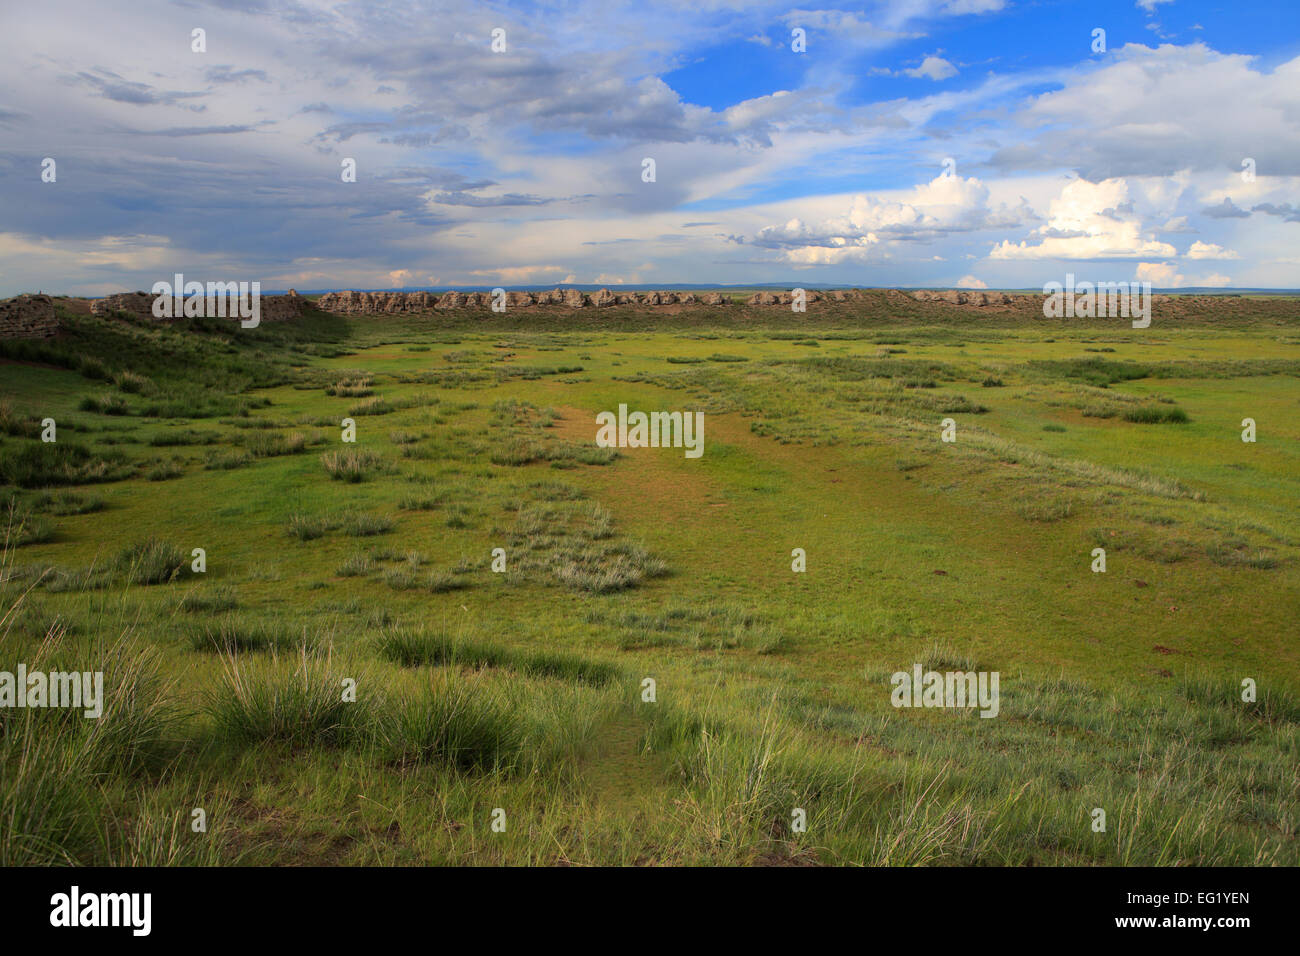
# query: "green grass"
351,465
1155,415
152,562
297,702
412,648
42,465
513,678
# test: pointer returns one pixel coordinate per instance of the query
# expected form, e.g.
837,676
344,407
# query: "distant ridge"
735,287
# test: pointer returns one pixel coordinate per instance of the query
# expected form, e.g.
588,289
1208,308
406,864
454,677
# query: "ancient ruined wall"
388,303
274,308
395,303
28,317
976,298
376,303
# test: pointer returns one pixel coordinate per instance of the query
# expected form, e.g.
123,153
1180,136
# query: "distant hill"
695,287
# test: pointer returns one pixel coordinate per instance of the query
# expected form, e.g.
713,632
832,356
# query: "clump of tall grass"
520,451
209,602
159,833
23,527
152,562
61,580
231,636
307,527
609,568
44,464
1156,415
413,647
465,724
247,422
704,627
401,578
944,656
262,444
420,502
185,436
351,464
90,367
367,525
107,404
66,503
601,525
52,803
376,405
586,455
517,452
358,565
164,471
226,461
440,582
1273,705
357,387
930,825
274,701
738,793
21,426
133,382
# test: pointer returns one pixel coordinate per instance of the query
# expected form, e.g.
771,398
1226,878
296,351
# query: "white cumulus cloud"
932,68
1208,250
1088,221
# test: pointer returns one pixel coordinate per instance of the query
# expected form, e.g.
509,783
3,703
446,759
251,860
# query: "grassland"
522,690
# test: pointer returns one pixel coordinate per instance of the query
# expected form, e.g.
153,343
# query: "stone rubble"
28,317
389,303
274,308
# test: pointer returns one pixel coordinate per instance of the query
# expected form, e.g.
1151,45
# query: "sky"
932,143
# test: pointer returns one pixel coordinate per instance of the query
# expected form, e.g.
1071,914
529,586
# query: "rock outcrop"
382,303
973,297
658,298
409,303
1033,301
35,316
28,317
376,303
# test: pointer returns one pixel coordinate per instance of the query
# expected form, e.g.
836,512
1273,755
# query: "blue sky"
970,143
